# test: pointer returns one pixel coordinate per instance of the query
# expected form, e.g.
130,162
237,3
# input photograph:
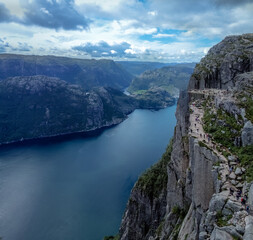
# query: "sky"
128,30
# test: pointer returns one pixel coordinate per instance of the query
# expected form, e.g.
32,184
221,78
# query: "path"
230,182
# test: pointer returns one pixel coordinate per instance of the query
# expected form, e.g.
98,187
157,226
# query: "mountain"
202,188
41,106
137,68
84,72
158,88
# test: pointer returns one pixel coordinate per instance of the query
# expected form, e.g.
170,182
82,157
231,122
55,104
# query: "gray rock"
240,229
233,182
217,203
250,197
203,235
232,231
218,234
232,175
239,185
249,228
231,207
238,171
247,134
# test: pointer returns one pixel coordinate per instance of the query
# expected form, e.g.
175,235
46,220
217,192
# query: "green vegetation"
179,212
201,144
111,237
154,180
224,128
160,228
222,220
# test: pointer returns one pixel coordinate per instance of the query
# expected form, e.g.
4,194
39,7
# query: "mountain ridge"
87,73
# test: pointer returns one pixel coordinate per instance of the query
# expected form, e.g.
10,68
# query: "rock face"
84,72
223,62
247,134
204,172
39,106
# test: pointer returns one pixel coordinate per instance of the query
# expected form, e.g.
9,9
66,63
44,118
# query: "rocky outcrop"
39,107
84,72
212,147
223,62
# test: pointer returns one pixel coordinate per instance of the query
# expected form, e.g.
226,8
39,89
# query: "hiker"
247,209
243,201
245,197
231,191
238,195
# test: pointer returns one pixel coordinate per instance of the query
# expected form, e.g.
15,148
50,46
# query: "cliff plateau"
209,169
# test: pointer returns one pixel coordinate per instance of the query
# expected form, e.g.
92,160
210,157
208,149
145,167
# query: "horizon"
137,30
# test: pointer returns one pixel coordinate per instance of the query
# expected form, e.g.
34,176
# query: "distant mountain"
137,68
40,106
157,88
84,72
177,76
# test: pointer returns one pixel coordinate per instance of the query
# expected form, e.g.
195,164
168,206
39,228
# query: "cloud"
55,14
5,15
103,49
231,2
22,47
164,35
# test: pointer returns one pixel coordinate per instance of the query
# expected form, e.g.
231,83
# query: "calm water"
78,189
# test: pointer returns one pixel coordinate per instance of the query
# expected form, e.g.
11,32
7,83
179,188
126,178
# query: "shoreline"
61,137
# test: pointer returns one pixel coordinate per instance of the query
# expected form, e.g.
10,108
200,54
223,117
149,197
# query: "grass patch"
111,237
154,180
179,212
222,220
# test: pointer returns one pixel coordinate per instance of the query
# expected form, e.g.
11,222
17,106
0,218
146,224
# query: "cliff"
209,188
84,72
40,106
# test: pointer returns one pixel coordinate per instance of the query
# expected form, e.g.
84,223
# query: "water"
78,189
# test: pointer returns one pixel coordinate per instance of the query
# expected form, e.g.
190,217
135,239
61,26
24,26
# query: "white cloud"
198,25
152,13
163,35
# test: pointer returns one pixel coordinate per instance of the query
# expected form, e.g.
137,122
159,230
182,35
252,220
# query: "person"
243,201
231,191
247,209
238,195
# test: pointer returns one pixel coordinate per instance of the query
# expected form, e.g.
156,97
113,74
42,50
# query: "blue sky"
142,30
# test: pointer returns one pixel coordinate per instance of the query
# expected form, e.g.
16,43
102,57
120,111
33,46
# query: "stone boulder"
247,134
